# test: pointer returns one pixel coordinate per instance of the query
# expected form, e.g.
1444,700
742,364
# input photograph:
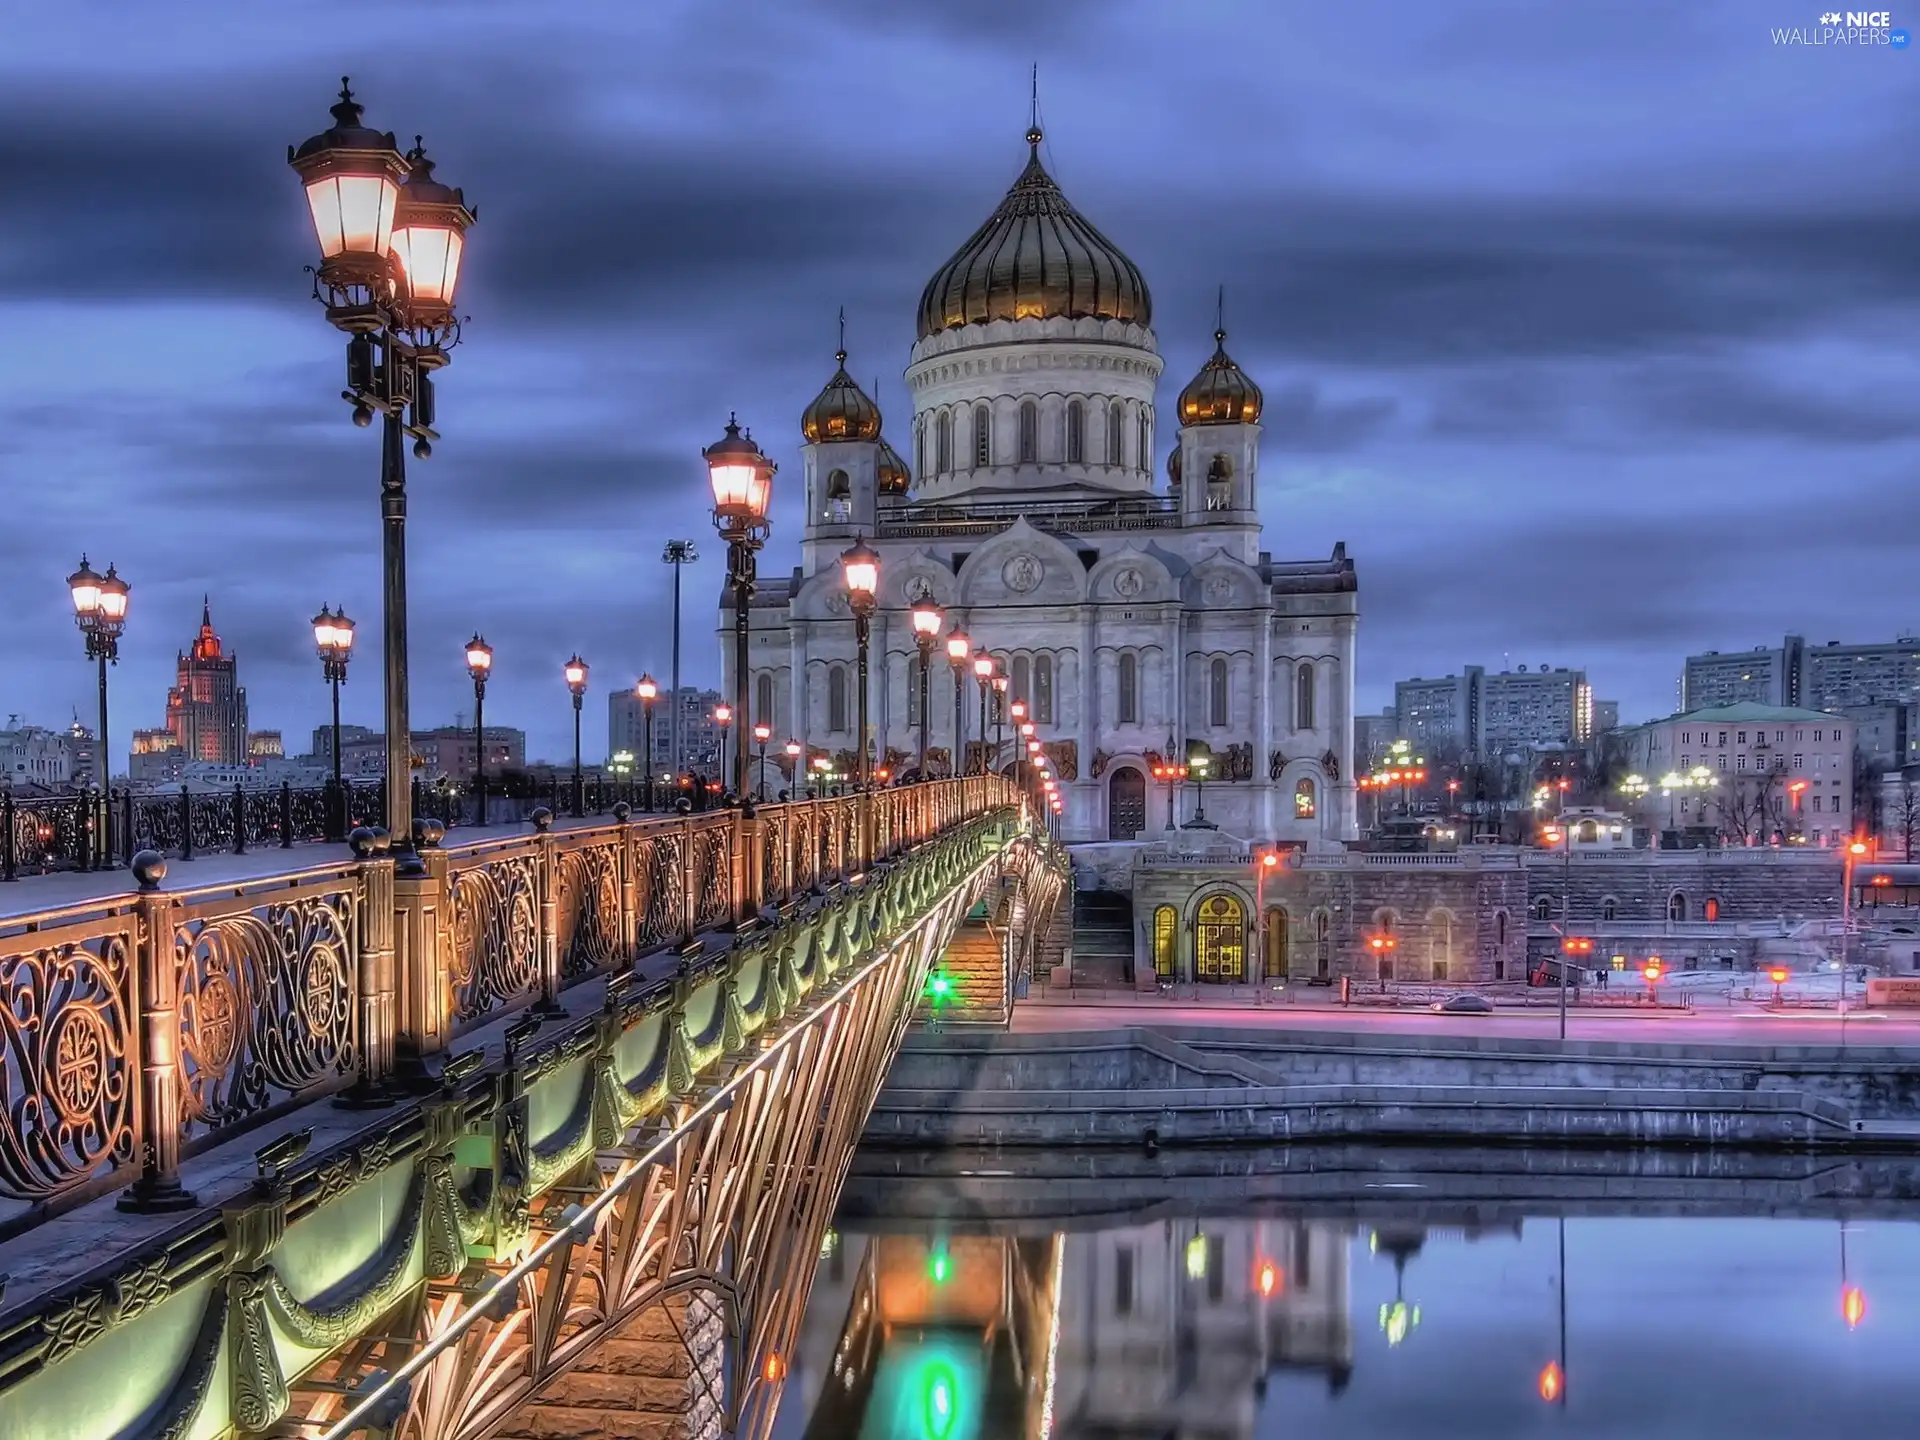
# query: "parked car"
1463,1005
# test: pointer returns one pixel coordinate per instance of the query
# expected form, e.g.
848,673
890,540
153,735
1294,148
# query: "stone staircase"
1102,938
975,969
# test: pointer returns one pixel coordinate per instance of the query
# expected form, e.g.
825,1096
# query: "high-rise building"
156,758
207,708
1875,685
1372,734
1770,772
1478,713
699,735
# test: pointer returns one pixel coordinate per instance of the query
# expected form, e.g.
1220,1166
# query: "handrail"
138,1025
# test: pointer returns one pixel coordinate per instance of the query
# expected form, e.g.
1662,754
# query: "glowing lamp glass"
723,714
763,733
983,665
958,648
85,585
113,599
927,620
576,672
353,214
429,257
793,749
647,688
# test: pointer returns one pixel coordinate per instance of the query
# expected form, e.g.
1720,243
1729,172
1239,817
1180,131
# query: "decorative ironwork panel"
211,817
261,810
495,956
587,908
773,840
806,850
662,868
269,999
157,823
713,875
68,1065
48,833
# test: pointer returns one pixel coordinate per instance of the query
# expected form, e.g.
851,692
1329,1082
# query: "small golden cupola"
1222,393
843,410
891,471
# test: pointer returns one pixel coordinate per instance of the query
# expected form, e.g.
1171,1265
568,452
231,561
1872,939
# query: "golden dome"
1222,393
892,470
1173,468
1036,258
842,411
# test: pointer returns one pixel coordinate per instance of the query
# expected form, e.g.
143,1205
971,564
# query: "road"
1759,1027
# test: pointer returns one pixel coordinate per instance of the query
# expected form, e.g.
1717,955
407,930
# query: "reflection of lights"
1053,1334
1853,1306
1399,1320
829,1243
1267,1279
940,1266
1553,1383
939,1401
1197,1258
775,1368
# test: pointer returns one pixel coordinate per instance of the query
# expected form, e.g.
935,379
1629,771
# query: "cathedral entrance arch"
1126,804
1220,941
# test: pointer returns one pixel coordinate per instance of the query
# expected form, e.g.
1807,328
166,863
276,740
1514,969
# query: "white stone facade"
1137,621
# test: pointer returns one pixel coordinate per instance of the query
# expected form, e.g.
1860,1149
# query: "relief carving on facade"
1100,761
1022,574
1237,764
1330,763
1276,764
1065,755
1128,583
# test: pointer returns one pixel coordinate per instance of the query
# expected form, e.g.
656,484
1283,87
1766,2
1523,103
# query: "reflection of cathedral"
1150,1330
1138,622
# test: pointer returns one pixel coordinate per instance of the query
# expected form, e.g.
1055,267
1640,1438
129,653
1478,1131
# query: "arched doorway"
1275,949
1126,804
1220,941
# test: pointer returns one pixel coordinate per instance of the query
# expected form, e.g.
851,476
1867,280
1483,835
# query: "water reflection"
1233,1326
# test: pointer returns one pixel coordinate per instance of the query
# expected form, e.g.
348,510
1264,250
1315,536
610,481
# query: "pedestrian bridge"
544,1142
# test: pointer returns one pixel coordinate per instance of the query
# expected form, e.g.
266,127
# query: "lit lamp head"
429,233
742,481
1033,747
352,177
927,620
860,566
1000,684
958,649
647,689
763,732
1019,712
576,673
480,659
333,636
793,749
982,666
723,715
1026,729
85,585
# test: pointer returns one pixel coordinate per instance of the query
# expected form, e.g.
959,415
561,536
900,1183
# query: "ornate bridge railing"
142,1027
440,1272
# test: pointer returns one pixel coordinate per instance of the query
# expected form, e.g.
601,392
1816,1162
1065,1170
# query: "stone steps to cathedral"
974,968
1102,938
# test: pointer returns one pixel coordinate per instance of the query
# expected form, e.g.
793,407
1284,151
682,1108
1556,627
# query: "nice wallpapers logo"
1851,28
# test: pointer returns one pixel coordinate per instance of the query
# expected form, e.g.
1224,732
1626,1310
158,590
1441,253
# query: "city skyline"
1479,350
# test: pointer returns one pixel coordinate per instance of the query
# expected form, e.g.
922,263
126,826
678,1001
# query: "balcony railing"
990,517
142,1027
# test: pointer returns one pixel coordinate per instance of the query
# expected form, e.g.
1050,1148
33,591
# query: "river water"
1464,1319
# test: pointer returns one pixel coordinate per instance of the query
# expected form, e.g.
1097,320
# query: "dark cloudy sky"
1589,327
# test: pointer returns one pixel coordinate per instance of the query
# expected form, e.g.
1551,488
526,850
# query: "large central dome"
1036,258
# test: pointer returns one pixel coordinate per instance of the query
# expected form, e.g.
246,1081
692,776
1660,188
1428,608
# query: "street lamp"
479,666
794,777
959,648
762,733
1855,849
983,677
333,639
742,481
999,713
100,610
647,689
927,620
1170,776
576,672
1201,764
391,239
860,566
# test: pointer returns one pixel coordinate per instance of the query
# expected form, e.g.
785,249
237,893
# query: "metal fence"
138,1027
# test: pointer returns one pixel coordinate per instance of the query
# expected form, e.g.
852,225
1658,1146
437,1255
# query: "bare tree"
1901,817
1750,806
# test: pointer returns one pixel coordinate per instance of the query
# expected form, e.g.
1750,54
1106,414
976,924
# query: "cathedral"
1142,625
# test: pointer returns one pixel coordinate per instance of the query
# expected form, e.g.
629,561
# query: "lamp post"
742,481
983,677
647,689
999,714
100,610
958,650
861,567
333,640
576,672
1170,775
794,777
391,239
762,733
1200,765
679,554
1855,849
479,665
723,717
927,620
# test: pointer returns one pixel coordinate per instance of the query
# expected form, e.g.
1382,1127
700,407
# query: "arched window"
920,446
1677,905
1129,689
1500,929
1146,441
1322,943
1076,432
1440,943
763,700
1043,690
1113,432
1609,909
982,437
943,442
836,699
1220,941
1303,699
1543,908
1711,910
1305,805
1166,925
1022,678
1217,693
1029,433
